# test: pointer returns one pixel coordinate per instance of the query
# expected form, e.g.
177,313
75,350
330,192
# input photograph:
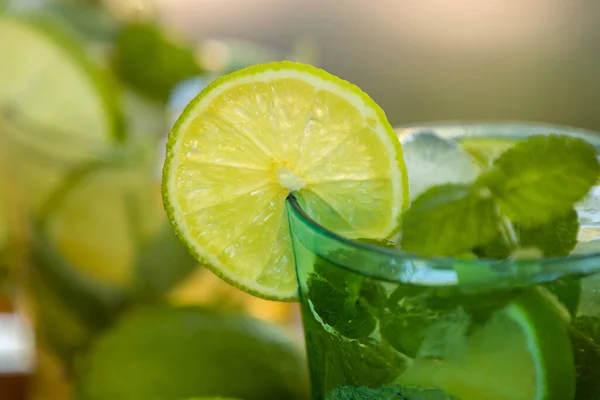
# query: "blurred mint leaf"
448,220
541,178
556,238
151,62
585,338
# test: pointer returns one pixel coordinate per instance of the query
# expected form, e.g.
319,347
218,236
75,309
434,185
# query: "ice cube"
431,160
588,247
589,209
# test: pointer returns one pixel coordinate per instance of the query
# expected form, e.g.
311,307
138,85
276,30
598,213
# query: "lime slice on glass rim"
522,352
57,108
254,136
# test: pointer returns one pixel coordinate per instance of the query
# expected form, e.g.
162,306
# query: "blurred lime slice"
171,353
56,107
522,352
102,242
102,214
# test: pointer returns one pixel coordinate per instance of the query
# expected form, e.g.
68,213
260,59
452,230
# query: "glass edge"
398,254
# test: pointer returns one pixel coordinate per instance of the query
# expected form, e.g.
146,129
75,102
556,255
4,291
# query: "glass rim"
535,268
399,254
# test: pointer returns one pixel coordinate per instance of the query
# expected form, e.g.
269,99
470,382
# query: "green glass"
371,312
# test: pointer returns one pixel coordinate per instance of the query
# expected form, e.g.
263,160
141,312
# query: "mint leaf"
388,392
337,276
409,316
347,313
541,178
338,361
373,293
448,220
585,338
406,332
366,393
424,394
556,238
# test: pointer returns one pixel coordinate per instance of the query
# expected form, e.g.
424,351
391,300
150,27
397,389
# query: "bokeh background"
421,60
432,59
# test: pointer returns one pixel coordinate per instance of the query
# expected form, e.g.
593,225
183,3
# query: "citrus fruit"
56,107
173,353
522,352
253,137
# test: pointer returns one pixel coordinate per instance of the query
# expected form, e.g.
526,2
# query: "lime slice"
252,137
485,150
523,352
100,217
173,353
56,107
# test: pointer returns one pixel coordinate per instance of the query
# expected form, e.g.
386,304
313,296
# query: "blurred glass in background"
89,90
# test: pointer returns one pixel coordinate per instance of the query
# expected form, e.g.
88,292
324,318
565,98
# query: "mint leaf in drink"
424,394
346,312
585,339
340,361
388,392
449,220
366,393
408,316
556,238
406,332
541,178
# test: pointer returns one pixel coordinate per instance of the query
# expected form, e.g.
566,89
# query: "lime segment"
256,135
522,353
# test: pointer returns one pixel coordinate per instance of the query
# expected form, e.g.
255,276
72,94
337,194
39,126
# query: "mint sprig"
449,220
541,178
525,200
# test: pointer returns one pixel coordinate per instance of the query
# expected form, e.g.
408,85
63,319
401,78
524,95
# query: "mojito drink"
439,262
522,325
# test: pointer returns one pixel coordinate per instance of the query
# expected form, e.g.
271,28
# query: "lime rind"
522,352
263,73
